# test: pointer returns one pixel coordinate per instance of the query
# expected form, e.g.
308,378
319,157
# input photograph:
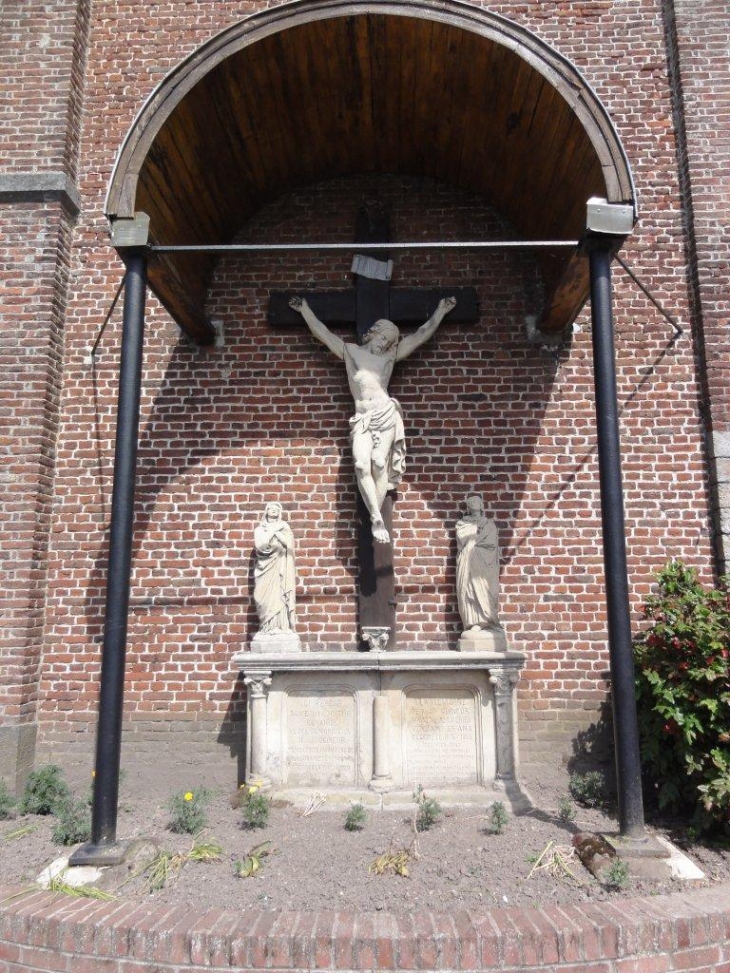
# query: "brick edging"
683,931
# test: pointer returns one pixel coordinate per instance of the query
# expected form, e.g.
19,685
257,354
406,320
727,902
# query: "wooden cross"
370,300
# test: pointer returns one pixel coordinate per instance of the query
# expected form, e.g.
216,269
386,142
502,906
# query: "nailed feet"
380,534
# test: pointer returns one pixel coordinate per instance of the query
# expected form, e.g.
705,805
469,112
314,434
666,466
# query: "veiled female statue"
477,568
274,574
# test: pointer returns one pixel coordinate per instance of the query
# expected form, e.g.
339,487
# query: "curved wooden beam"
181,283
556,69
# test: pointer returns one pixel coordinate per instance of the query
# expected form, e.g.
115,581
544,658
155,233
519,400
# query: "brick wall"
699,36
42,64
266,416
33,279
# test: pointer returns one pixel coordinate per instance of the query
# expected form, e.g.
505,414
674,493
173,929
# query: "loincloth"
376,422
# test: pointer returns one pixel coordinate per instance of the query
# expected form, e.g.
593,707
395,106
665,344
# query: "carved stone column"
504,680
258,682
382,779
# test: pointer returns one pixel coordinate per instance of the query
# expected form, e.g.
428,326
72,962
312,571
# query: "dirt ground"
316,864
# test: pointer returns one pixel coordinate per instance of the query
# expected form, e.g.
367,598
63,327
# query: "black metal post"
103,848
626,728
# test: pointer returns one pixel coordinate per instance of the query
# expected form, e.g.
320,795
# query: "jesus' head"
381,337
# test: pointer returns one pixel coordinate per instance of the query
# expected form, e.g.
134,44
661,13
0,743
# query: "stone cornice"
40,187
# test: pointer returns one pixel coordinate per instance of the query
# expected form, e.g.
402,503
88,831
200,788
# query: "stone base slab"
374,725
483,640
277,643
401,799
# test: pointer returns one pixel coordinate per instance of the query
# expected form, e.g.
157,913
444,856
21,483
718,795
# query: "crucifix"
377,432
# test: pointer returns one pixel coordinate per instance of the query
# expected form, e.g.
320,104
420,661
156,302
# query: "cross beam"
406,305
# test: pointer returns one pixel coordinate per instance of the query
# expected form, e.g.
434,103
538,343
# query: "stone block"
351,723
17,753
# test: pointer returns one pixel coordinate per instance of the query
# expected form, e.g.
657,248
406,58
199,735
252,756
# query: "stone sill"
377,661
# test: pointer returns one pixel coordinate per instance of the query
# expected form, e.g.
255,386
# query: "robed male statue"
376,430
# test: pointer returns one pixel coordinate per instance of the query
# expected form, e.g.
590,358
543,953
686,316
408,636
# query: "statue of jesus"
376,430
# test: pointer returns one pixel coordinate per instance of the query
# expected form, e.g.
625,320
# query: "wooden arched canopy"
319,88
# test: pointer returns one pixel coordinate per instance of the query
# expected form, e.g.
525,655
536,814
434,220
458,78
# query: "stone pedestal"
276,643
483,640
353,723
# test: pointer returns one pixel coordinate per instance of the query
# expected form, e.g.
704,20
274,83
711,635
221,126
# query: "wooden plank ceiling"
375,93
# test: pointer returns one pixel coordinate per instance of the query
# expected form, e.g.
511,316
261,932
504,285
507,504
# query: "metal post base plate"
102,855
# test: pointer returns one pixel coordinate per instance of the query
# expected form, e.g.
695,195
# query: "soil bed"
315,864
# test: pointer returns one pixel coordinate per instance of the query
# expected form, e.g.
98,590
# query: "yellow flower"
189,796
253,788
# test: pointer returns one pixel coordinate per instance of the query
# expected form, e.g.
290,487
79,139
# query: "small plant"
391,861
588,789
45,791
166,864
187,811
356,817
554,859
256,808
616,876
428,810
314,803
21,832
205,851
7,802
566,811
73,822
163,867
498,818
252,862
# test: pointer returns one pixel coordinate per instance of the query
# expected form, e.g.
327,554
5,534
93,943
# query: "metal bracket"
613,219
133,232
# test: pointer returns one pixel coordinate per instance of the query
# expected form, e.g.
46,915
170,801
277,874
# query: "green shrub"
256,810
428,810
616,876
683,697
588,789
566,811
187,811
45,791
7,802
356,817
498,818
73,822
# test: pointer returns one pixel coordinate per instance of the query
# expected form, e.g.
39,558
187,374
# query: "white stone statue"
477,578
376,430
275,579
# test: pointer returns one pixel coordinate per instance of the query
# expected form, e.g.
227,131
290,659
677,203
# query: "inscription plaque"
321,738
441,737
